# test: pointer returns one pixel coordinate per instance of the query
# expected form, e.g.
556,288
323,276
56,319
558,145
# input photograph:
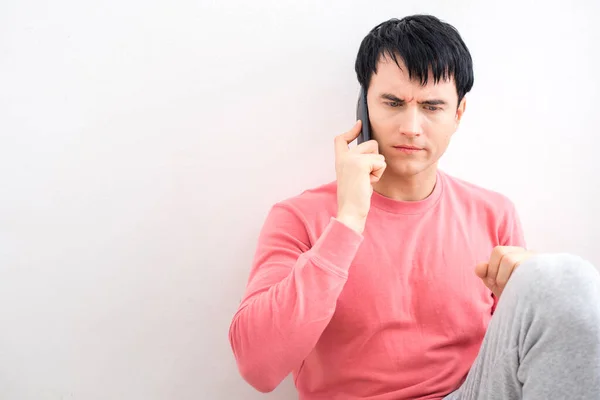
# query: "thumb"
481,270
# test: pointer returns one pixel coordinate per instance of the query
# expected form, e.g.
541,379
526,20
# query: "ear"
460,111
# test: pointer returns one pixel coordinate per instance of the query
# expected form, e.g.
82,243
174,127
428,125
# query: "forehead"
393,78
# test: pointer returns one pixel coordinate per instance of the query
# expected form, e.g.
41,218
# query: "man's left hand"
497,271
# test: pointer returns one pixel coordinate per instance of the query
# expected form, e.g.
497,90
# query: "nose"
411,124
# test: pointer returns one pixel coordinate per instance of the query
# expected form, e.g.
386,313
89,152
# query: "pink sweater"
394,313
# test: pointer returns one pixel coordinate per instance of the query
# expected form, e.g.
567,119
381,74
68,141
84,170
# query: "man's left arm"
511,239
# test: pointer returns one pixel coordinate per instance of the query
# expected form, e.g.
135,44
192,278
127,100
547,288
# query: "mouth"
408,149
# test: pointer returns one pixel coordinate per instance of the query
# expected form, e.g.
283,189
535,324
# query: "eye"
432,108
393,104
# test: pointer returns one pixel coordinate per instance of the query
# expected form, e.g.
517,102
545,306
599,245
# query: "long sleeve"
291,295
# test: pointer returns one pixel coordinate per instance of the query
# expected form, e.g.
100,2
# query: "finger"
509,263
493,266
495,262
368,147
377,171
342,141
372,159
375,163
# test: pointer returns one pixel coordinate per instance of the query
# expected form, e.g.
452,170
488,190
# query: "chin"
406,169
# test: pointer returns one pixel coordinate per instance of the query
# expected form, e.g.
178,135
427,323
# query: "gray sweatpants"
543,342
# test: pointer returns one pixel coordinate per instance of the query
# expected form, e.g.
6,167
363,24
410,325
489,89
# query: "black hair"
425,44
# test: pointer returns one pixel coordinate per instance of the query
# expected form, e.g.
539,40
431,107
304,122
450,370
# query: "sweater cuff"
337,246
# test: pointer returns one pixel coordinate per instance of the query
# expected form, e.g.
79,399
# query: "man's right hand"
356,170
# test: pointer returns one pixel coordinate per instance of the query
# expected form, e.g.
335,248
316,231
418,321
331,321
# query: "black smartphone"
362,113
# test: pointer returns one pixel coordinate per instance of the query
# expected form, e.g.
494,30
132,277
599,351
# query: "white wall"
142,143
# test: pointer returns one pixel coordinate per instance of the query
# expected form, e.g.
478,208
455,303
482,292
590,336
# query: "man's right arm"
295,284
291,295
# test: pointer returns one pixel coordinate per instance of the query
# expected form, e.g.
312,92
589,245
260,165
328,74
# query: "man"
383,284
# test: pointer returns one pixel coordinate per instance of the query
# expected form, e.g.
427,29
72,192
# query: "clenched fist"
356,170
497,271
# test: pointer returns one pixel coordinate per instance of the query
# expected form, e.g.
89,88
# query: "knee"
560,281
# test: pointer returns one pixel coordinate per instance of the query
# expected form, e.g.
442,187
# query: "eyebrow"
432,102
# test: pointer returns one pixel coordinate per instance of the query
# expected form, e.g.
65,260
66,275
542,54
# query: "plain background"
143,142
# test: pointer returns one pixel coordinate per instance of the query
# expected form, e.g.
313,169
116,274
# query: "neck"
407,188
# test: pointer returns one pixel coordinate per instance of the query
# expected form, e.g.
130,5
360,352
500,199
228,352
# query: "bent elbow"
254,369
258,378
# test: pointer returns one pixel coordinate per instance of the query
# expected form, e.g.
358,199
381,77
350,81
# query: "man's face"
412,123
